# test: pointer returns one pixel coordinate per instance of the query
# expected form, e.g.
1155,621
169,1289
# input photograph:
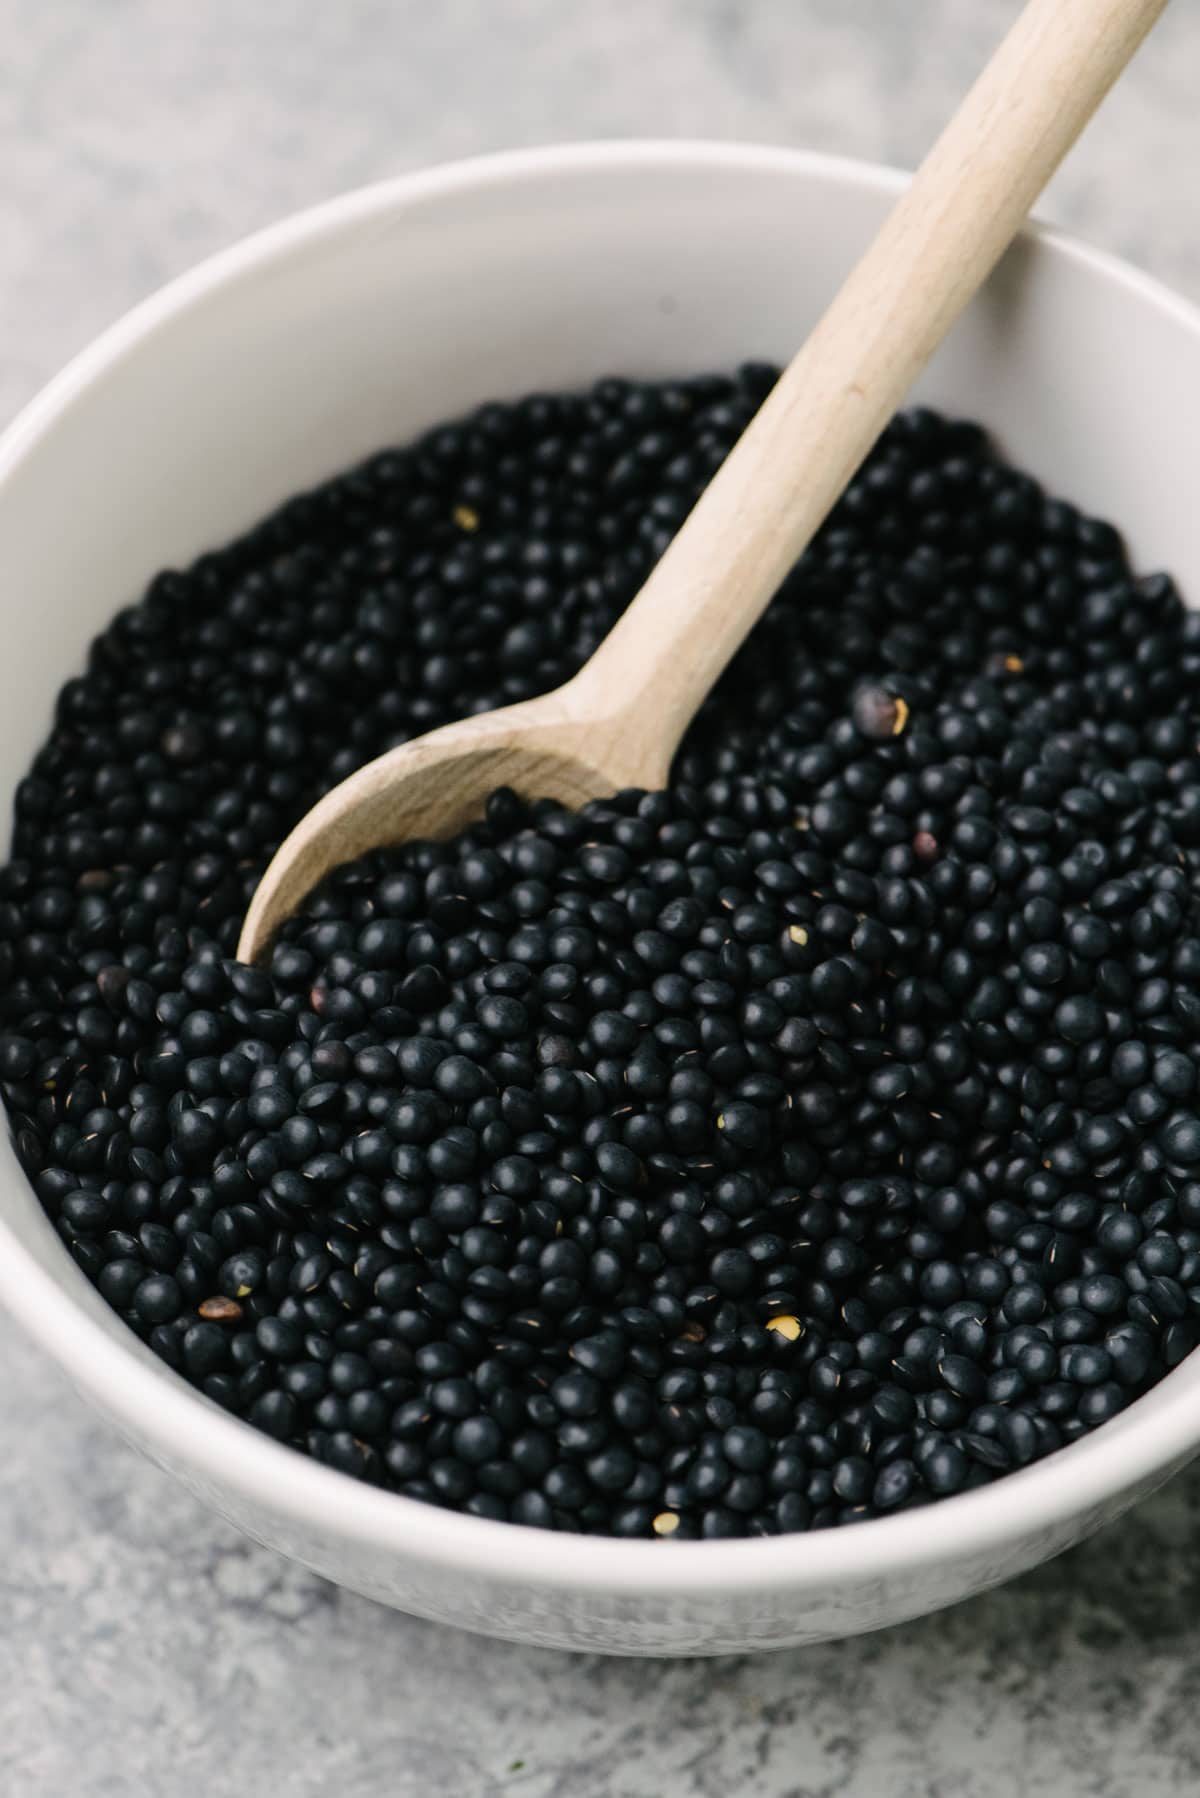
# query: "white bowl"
356,325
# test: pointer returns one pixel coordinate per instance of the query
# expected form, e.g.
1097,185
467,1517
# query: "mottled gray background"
145,1648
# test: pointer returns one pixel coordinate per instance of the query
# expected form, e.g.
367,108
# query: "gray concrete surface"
145,1649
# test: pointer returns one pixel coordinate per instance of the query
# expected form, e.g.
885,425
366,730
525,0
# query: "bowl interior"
288,359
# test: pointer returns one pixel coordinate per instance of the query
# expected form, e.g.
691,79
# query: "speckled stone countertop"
148,1651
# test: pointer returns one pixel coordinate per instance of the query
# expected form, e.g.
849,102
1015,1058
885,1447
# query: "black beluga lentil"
809,1141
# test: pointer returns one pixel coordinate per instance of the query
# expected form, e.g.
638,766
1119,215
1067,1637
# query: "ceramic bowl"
356,325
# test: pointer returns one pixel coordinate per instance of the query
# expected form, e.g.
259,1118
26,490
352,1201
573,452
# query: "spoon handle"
938,245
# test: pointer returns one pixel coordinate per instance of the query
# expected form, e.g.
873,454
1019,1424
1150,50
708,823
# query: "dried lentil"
815,1139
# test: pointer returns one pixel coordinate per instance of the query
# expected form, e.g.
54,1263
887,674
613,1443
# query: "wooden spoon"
618,722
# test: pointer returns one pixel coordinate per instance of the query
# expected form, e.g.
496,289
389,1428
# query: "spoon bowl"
552,747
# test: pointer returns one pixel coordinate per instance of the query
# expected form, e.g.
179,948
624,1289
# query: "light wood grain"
618,722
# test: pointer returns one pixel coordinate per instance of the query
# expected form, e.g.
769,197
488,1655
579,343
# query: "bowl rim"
185,1429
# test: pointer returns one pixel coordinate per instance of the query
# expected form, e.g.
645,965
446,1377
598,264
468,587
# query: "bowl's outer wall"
729,1621
406,307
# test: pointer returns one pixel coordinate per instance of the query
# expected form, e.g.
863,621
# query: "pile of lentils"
808,1141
